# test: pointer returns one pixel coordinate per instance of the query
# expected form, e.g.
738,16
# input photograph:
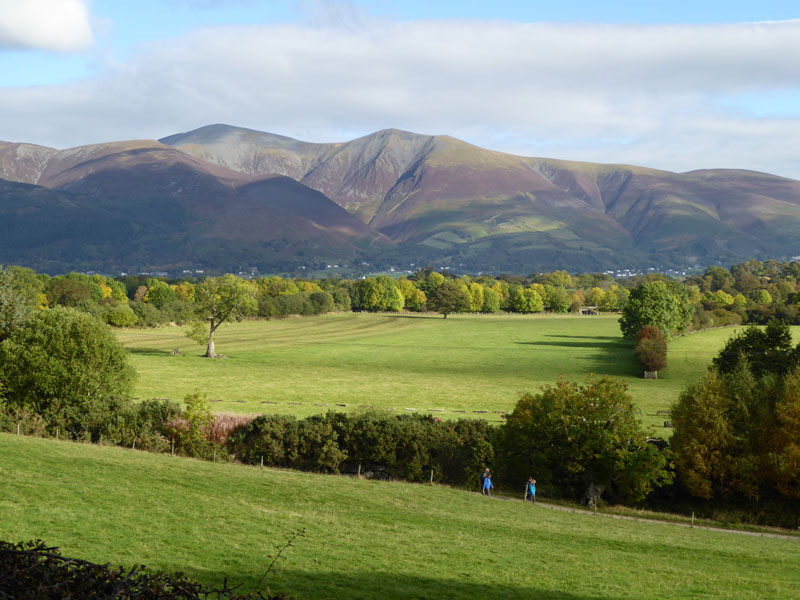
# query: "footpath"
764,534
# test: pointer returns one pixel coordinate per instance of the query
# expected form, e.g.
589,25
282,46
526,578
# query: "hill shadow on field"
367,585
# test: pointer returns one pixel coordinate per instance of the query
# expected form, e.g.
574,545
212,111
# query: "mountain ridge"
428,199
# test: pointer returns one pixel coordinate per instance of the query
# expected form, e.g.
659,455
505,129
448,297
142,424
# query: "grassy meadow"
363,539
455,367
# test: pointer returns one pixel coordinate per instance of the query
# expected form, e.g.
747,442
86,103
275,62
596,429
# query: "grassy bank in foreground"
364,539
465,363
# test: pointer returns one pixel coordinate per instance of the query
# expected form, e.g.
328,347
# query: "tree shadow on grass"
149,351
614,356
387,586
418,316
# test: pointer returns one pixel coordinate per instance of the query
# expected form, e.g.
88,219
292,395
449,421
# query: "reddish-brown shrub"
225,424
651,353
650,332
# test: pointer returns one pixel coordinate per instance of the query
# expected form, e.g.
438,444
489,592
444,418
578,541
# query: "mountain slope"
445,200
143,204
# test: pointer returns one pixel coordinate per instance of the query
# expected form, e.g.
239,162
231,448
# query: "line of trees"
751,292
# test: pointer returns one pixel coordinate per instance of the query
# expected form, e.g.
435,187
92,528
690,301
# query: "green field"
455,366
364,539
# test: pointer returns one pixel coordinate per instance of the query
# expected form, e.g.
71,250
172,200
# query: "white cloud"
650,95
59,25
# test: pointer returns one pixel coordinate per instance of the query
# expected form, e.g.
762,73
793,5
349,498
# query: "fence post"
359,470
172,447
56,434
431,476
215,455
692,519
262,460
17,428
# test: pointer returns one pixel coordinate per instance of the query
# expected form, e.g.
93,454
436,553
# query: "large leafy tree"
448,297
581,440
218,300
659,303
66,366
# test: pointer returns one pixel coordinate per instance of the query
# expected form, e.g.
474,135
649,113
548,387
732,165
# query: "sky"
673,85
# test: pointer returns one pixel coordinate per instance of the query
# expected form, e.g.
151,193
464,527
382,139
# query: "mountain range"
227,198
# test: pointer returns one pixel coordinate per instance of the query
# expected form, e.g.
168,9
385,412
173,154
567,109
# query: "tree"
476,295
766,350
556,299
659,303
159,293
66,366
67,291
217,300
414,298
594,296
391,298
581,439
526,300
491,301
14,306
448,297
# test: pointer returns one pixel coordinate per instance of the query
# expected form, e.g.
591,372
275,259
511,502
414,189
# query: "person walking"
487,483
484,475
530,490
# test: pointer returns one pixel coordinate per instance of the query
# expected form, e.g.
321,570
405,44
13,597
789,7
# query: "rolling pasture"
460,366
363,539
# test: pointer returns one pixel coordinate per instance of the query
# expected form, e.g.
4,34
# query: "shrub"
403,446
33,571
225,425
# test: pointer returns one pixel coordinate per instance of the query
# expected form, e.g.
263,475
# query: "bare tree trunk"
211,350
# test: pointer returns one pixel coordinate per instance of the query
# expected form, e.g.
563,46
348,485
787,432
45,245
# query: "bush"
33,571
66,367
189,432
